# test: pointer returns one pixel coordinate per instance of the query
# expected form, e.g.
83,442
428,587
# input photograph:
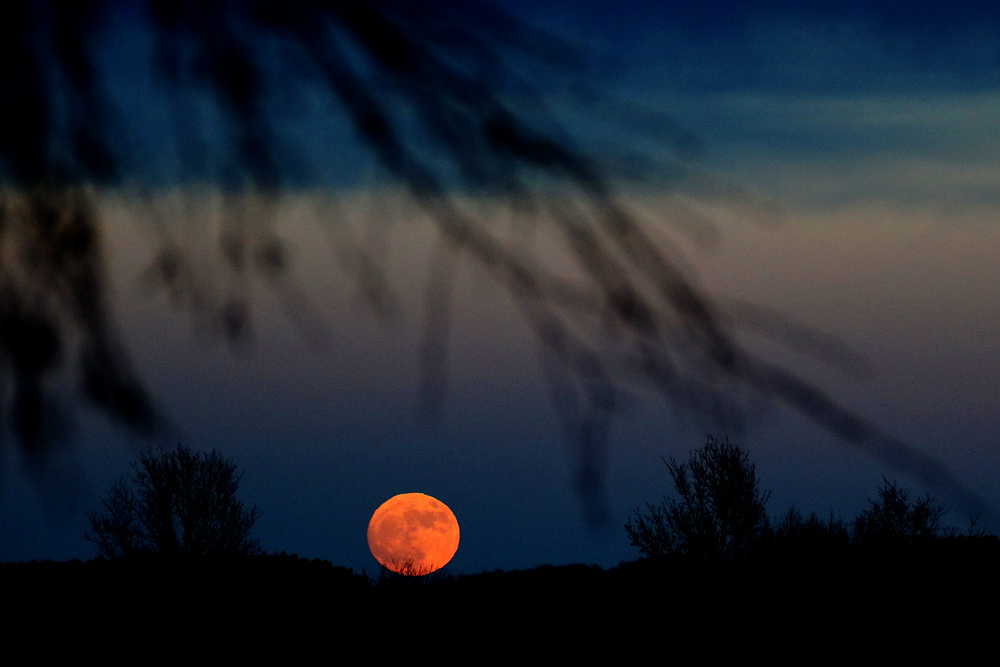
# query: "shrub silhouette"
719,511
893,519
796,534
176,503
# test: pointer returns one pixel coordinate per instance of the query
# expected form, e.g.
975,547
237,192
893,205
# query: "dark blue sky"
865,141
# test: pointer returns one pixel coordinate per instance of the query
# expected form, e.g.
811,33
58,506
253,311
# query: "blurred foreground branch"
450,99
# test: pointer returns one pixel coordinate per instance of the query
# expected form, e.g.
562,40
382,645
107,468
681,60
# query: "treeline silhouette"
715,527
732,570
733,575
717,512
229,601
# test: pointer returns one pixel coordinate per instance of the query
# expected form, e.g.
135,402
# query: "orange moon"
413,533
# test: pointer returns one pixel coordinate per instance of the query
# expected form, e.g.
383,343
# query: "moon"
413,534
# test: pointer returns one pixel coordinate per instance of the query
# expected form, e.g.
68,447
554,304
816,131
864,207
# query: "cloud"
939,150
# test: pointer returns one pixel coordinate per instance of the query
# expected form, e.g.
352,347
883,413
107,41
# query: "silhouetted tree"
796,534
176,503
718,512
893,519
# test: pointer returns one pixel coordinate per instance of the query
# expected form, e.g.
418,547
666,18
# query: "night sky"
845,176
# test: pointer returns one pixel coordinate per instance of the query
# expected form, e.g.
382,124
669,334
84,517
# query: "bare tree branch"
177,503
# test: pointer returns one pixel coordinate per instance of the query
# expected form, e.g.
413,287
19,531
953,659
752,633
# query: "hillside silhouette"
232,600
802,575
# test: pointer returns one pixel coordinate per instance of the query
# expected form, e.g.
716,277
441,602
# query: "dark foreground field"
209,605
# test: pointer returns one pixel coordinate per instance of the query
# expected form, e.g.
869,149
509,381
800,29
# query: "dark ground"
225,605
